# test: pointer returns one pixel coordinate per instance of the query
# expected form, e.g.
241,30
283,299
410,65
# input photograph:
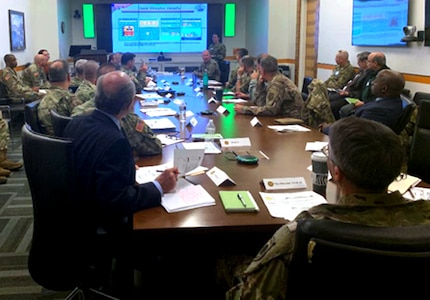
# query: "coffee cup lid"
319,156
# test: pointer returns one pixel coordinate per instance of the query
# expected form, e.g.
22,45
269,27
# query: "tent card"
255,122
286,183
187,159
236,143
221,109
219,177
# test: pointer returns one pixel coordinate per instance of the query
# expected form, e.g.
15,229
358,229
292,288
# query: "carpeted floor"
16,227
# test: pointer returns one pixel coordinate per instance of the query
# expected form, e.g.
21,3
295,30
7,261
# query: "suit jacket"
384,110
105,172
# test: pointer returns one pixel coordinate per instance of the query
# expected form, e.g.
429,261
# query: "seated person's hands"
240,71
323,126
255,74
35,89
343,93
359,103
241,95
143,68
168,179
238,108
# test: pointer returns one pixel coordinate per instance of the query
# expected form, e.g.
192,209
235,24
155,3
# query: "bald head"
39,59
115,93
376,60
206,56
388,83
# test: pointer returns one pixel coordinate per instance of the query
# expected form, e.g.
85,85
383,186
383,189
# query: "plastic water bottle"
210,129
182,112
205,79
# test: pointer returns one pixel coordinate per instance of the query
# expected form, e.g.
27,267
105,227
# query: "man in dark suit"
387,107
105,172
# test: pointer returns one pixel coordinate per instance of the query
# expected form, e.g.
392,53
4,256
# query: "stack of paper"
209,147
162,123
288,128
186,196
158,112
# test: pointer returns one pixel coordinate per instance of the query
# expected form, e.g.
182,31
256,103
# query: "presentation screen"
154,28
379,22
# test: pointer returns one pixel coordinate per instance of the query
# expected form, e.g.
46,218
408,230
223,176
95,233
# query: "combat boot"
4,172
3,179
7,164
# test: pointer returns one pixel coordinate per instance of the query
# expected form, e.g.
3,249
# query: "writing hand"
168,179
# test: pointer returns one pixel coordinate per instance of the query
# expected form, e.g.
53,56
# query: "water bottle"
210,130
205,79
182,112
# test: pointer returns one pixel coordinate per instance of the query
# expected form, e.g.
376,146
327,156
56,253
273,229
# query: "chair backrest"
333,259
31,117
285,70
408,108
419,159
418,96
305,91
56,260
59,122
224,67
73,88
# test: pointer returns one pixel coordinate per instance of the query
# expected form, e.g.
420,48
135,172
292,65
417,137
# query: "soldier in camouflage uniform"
58,97
5,165
79,73
87,89
34,75
343,72
282,97
239,53
363,185
127,66
16,90
210,65
217,49
243,77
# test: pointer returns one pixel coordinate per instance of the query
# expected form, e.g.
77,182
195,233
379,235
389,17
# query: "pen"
239,196
265,156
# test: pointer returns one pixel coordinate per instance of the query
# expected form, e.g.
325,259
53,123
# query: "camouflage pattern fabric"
317,107
76,81
232,79
4,134
84,108
34,76
56,99
217,51
141,138
138,79
213,70
16,90
266,276
257,92
86,91
283,98
245,80
340,76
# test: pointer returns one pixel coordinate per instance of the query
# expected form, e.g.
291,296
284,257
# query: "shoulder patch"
140,125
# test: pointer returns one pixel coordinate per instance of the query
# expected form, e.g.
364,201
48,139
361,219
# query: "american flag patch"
140,125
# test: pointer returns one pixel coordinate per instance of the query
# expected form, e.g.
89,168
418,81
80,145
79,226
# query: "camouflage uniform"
138,79
266,276
212,68
76,81
282,98
85,91
16,90
245,80
56,99
317,107
233,79
217,51
141,138
257,92
4,134
340,76
34,76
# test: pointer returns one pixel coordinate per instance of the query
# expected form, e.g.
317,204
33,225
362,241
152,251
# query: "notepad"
238,201
352,100
288,121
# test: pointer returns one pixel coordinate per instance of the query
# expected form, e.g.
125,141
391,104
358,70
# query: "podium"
99,56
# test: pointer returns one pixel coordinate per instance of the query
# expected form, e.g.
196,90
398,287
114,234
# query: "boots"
4,172
7,164
3,179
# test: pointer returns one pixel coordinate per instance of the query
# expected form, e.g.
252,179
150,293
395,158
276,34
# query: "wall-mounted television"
154,28
379,22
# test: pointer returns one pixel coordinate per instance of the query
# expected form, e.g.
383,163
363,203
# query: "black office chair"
418,96
419,159
408,109
59,122
285,70
224,67
31,117
341,260
60,257
73,88
305,91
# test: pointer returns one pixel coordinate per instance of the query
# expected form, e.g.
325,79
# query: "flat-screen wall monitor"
154,28
379,22
76,49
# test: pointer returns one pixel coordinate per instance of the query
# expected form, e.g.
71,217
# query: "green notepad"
232,203
352,100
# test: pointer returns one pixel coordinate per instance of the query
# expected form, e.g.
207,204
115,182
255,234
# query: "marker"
239,196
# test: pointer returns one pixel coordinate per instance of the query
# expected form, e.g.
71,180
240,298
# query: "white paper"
186,196
148,174
288,128
403,185
209,147
418,193
186,160
214,82
149,96
158,112
315,146
234,100
219,177
162,123
167,139
284,183
289,205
